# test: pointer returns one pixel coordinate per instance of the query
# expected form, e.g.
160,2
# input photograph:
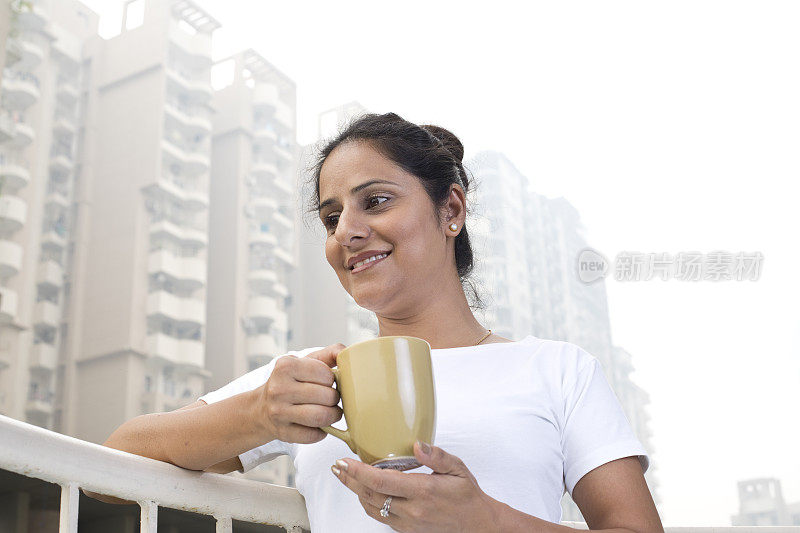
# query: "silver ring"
385,508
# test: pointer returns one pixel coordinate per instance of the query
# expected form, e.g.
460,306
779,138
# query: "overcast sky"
669,126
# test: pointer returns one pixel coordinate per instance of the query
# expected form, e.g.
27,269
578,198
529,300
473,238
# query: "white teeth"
369,260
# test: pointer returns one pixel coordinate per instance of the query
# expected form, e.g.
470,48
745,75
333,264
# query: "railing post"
68,514
149,517
224,524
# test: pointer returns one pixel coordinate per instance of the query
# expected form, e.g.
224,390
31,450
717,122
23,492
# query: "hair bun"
449,140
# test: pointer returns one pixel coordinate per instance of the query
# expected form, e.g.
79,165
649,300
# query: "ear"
455,210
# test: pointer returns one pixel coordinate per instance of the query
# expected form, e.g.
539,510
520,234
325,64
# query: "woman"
518,422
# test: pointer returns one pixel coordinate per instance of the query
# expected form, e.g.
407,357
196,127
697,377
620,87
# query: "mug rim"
387,337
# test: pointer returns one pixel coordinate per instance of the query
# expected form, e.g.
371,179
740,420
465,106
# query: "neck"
445,320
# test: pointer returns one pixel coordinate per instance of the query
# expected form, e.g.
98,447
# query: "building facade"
251,226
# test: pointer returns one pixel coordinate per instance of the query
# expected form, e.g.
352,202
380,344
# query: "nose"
349,227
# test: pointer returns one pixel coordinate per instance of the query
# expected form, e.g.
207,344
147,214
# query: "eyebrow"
353,191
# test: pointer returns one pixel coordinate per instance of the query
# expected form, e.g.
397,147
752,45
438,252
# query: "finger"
312,415
328,354
367,496
313,371
385,482
312,393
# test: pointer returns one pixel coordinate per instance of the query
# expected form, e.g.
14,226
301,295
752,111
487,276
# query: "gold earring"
453,226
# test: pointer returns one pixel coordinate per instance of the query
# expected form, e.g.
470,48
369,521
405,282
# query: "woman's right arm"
297,399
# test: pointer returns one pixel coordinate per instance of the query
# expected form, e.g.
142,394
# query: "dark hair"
431,153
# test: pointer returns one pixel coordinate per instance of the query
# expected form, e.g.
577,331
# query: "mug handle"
338,433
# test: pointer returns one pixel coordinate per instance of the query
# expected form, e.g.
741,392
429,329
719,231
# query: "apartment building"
324,313
135,340
761,503
40,111
527,247
251,229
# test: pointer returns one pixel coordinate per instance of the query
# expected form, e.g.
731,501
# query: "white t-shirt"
529,418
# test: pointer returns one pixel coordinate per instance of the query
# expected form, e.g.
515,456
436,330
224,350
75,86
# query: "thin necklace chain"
484,337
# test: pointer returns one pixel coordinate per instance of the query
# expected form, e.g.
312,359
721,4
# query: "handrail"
39,453
75,464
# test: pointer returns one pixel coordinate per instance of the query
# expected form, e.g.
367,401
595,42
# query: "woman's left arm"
613,498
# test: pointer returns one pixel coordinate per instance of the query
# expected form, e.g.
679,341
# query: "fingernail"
335,470
341,464
425,447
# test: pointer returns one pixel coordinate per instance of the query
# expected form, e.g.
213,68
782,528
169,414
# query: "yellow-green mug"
389,399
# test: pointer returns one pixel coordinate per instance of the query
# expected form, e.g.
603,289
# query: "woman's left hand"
448,499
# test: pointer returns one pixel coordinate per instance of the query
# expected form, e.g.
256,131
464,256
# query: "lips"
370,264
365,255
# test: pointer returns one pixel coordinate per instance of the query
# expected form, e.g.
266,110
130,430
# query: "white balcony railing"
38,453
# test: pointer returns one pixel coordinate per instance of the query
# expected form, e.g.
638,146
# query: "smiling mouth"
371,263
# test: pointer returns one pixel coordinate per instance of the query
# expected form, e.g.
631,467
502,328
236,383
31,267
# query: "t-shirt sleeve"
595,430
252,380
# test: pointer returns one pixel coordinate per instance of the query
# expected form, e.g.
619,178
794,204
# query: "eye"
374,197
331,220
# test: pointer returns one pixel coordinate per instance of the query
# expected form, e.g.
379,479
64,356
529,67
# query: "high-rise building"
324,313
251,229
527,247
761,503
137,315
39,133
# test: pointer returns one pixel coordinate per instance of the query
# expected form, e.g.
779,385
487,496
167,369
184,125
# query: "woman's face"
396,216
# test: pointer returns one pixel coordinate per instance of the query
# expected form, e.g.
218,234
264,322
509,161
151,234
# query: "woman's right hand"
299,398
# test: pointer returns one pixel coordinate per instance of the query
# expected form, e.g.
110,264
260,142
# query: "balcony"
191,163
44,357
190,271
188,196
285,256
264,312
10,258
31,17
263,168
13,214
283,222
63,127
189,122
47,313
8,130
66,92
181,352
39,405
169,306
24,135
262,348
21,90
196,91
262,280
284,153
8,305
61,164
55,239
31,54
261,208
14,174
265,135
40,454
182,234
262,238
50,274
56,201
